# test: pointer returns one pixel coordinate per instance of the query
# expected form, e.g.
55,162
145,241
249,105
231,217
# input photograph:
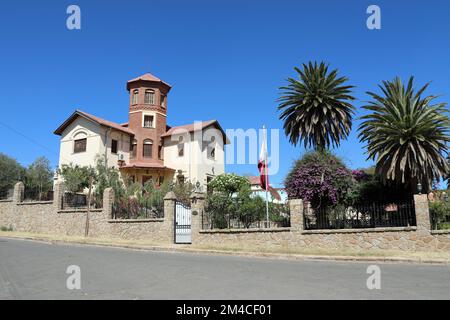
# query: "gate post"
169,217
19,191
296,209
197,207
58,193
422,213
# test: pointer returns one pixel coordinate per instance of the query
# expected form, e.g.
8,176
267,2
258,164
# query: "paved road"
35,270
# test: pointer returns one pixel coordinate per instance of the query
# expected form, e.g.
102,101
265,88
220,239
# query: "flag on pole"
264,169
262,165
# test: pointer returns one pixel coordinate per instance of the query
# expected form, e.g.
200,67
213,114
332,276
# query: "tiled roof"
254,180
189,127
147,77
93,118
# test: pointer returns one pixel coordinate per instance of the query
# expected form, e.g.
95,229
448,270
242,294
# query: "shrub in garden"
229,183
220,208
320,178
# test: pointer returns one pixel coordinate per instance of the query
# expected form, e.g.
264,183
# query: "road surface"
36,270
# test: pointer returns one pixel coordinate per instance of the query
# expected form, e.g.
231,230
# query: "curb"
248,254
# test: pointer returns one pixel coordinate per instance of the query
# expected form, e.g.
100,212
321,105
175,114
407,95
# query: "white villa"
145,148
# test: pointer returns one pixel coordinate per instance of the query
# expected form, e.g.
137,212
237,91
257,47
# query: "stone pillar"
169,220
422,212
19,192
197,207
58,193
108,201
296,209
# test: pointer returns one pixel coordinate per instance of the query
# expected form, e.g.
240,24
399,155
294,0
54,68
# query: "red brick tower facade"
147,118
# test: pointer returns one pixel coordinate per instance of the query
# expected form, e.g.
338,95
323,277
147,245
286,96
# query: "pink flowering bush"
319,178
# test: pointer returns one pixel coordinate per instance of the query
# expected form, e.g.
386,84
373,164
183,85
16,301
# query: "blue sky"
225,60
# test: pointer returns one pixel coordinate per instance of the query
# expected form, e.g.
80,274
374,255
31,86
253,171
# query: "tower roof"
147,77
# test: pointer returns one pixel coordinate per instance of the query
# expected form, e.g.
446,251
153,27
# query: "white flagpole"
266,169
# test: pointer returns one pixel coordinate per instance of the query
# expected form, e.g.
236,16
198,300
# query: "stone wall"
46,217
418,238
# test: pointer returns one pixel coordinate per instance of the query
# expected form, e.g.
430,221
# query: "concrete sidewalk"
299,254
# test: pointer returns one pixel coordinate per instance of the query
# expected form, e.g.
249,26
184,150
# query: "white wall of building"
96,136
195,164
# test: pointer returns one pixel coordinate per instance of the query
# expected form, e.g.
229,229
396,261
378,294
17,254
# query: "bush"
231,205
76,178
220,208
440,214
320,178
369,188
6,229
229,183
183,192
38,179
10,172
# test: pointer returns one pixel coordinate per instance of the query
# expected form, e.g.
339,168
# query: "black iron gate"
182,228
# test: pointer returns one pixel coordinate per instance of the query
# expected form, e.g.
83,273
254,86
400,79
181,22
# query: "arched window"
149,97
135,97
148,147
80,142
133,149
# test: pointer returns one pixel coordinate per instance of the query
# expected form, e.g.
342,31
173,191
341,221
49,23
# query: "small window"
133,149
161,180
212,153
163,101
148,146
114,144
211,149
181,149
148,121
149,97
135,97
160,152
80,145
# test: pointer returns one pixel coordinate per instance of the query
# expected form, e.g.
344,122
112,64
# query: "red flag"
264,171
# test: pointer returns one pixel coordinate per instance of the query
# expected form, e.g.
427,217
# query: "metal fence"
80,201
133,209
6,195
74,200
211,221
360,216
31,195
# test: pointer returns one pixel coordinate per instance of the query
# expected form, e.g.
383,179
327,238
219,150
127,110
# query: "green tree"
38,178
10,172
220,208
316,108
249,209
76,178
107,177
320,178
229,183
406,134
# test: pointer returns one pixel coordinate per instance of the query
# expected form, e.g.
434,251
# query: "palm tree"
406,134
316,109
